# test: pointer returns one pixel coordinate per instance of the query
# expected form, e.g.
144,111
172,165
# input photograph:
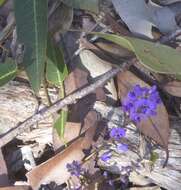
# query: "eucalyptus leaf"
141,16
8,71
156,57
56,69
31,22
92,5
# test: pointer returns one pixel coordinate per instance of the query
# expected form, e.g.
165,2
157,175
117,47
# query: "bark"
136,157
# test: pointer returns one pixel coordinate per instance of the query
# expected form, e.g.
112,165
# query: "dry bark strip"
70,99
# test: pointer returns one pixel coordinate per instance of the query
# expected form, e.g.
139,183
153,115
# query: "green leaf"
2,2
90,5
31,21
7,71
60,123
156,57
56,70
154,157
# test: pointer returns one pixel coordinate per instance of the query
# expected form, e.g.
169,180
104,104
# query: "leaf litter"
86,129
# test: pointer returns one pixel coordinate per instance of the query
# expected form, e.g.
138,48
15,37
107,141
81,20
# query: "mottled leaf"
7,71
31,22
125,82
156,57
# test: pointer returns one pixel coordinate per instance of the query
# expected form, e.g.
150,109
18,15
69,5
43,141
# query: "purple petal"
122,147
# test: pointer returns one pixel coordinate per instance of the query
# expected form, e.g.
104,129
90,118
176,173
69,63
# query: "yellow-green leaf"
156,57
7,71
60,123
56,69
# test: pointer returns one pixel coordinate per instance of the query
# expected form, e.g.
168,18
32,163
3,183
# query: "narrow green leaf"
56,70
7,71
156,57
90,5
31,21
60,123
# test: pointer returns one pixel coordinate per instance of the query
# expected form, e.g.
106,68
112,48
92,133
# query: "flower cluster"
117,133
75,168
141,102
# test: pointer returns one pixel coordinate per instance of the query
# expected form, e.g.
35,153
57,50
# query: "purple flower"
117,133
122,147
106,156
75,168
141,103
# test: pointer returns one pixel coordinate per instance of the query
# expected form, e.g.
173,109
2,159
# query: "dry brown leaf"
76,79
17,187
125,82
173,88
54,169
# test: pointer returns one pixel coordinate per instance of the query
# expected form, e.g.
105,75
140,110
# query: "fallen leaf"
17,187
73,130
173,88
76,79
125,82
140,16
54,169
96,67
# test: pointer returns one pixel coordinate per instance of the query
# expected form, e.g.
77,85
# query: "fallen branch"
70,99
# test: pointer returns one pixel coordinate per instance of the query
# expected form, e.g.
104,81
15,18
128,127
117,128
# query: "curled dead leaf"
173,88
125,82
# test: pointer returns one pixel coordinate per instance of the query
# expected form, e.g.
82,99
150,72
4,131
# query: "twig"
70,99
170,36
